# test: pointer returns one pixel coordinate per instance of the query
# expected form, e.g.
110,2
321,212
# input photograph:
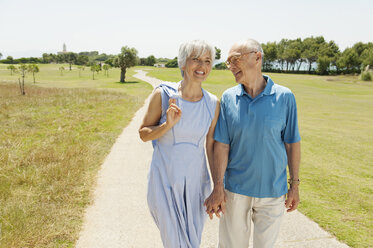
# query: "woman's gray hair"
195,48
252,44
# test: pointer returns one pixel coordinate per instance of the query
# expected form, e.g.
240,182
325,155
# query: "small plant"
61,70
33,69
366,76
81,68
22,70
106,69
12,69
95,68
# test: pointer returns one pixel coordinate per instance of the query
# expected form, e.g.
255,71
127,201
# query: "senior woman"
180,118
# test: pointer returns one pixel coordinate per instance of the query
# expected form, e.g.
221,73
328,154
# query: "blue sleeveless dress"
178,180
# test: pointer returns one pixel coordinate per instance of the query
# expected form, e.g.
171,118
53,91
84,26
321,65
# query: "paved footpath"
119,215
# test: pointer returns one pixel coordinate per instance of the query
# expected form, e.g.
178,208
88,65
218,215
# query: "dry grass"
52,142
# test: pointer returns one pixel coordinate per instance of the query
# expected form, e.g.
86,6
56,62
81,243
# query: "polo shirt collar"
268,90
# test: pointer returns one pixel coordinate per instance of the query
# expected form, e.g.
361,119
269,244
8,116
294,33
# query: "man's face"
242,62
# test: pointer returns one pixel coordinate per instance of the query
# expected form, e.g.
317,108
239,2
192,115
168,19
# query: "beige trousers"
235,224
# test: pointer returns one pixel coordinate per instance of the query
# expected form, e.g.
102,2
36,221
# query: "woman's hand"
215,203
173,113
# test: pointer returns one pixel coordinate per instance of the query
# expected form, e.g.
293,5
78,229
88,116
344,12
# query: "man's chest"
263,117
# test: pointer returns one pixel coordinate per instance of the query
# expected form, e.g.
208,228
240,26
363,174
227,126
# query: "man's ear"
259,56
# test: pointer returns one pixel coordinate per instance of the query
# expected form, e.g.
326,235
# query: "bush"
365,76
172,63
221,66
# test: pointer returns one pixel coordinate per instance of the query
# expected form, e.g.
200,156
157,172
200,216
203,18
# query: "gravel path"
119,215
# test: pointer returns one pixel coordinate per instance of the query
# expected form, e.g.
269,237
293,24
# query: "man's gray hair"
195,48
252,45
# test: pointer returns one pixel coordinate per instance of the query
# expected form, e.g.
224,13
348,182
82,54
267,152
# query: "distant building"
63,49
160,65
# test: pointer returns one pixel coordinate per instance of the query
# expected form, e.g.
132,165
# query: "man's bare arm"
216,201
293,154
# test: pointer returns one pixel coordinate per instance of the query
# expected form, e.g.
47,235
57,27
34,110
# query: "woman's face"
197,68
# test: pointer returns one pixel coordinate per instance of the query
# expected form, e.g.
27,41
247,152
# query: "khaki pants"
235,224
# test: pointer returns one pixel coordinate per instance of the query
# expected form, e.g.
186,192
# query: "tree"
22,70
311,47
102,57
106,69
1,55
217,53
95,68
61,70
126,59
349,60
292,52
281,48
221,66
33,69
81,68
359,48
323,64
60,58
367,56
327,55
270,54
142,61
82,60
150,61
110,61
172,63
8,60
12,69
71,58
49,58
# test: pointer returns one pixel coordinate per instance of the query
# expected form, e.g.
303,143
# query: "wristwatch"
292,181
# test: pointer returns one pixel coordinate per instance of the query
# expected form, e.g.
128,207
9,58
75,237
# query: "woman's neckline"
203,95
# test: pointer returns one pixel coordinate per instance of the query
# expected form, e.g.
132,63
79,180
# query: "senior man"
256,138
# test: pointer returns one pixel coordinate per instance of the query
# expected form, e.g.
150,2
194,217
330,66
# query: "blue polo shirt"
256,130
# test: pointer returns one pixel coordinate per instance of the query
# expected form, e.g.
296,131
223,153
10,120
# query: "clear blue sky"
31,27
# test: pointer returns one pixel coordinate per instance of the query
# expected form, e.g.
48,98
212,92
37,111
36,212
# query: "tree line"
289,56
318,55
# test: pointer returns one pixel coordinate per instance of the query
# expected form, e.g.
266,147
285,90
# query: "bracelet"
291,181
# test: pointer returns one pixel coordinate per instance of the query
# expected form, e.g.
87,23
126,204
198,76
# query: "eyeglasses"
233,60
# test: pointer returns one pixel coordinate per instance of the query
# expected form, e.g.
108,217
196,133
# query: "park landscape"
55,137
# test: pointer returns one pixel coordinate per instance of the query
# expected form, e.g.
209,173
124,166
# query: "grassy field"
336,125
52,143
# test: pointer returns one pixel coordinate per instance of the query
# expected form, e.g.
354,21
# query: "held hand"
292,200
173,113
215,203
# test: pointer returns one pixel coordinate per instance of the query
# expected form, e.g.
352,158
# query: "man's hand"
292,198
215,203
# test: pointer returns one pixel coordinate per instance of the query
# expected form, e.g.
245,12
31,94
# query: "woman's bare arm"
150,128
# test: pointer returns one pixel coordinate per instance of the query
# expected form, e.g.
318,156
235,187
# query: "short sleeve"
221,130
291,132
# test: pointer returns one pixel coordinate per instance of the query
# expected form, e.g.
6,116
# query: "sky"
158,27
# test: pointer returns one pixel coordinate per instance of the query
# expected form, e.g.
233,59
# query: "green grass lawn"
336,125
52,143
